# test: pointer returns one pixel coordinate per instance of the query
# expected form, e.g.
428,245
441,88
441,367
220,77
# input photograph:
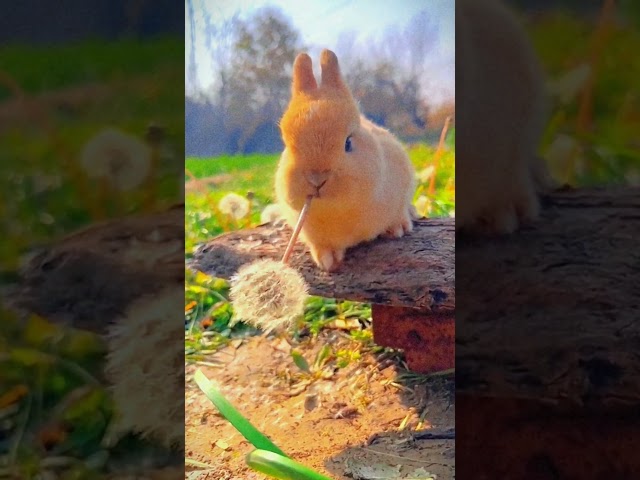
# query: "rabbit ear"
330,70
303,79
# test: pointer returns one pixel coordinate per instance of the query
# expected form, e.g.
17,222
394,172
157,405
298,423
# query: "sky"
321,21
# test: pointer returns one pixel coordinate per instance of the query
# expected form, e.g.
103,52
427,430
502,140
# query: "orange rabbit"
361,175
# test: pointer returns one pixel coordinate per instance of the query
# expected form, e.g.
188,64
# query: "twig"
296,230
599,40
449,434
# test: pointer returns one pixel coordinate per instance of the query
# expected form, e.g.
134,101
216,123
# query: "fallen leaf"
222,445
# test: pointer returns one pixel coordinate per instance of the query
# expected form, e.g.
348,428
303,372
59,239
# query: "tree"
192,80
264,50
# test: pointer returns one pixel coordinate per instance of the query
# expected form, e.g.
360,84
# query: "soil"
339,421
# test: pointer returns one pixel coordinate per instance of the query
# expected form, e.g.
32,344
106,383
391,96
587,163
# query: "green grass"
238,164
242,174
87,62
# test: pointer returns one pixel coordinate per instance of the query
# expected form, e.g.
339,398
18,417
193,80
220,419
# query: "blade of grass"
280,467
246,429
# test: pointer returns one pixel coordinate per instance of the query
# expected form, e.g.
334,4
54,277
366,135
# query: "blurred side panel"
547,277
91,262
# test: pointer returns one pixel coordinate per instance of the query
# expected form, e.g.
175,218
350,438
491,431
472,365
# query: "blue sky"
321,21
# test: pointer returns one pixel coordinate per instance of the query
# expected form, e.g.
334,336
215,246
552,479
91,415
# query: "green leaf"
280,467
300,361
246,429
322,356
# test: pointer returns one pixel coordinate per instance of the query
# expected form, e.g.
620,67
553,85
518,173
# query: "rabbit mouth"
316,194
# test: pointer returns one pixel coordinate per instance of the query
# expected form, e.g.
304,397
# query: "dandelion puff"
234,205
271,214
567,87
144,357
422,204
563,151
122,159
268,294
425,174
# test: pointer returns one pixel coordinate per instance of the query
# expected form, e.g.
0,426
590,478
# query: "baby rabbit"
360,175
500,88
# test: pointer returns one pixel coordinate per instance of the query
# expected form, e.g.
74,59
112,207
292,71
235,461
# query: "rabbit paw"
402,228
507,217
327,259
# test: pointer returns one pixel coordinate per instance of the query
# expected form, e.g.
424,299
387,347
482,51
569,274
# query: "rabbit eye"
347,144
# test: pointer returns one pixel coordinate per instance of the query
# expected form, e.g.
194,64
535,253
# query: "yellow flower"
234,205
122,159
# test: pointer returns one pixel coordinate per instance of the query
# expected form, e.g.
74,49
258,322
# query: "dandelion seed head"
268,294
271,214
567,87
144,357
564,150
234,205
122,159
425,174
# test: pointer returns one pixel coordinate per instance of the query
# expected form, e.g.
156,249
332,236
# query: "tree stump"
410,282
548,343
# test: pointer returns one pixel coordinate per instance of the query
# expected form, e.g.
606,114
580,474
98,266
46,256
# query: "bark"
415,271
551,313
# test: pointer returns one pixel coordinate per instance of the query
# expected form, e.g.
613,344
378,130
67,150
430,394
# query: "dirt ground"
362,421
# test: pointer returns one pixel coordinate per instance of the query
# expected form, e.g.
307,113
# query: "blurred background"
589,52
398,58
91,130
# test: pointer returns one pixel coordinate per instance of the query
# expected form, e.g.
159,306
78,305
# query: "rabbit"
359,173
501,89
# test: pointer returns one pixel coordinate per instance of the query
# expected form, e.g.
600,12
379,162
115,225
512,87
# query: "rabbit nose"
317,178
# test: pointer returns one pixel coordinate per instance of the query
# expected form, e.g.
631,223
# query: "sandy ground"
361,421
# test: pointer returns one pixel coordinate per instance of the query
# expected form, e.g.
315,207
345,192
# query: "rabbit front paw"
399,230
505,216
327,259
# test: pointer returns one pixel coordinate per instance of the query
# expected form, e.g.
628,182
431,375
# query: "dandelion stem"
296,230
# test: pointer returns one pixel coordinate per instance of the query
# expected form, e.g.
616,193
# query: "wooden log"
416,271
547,342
